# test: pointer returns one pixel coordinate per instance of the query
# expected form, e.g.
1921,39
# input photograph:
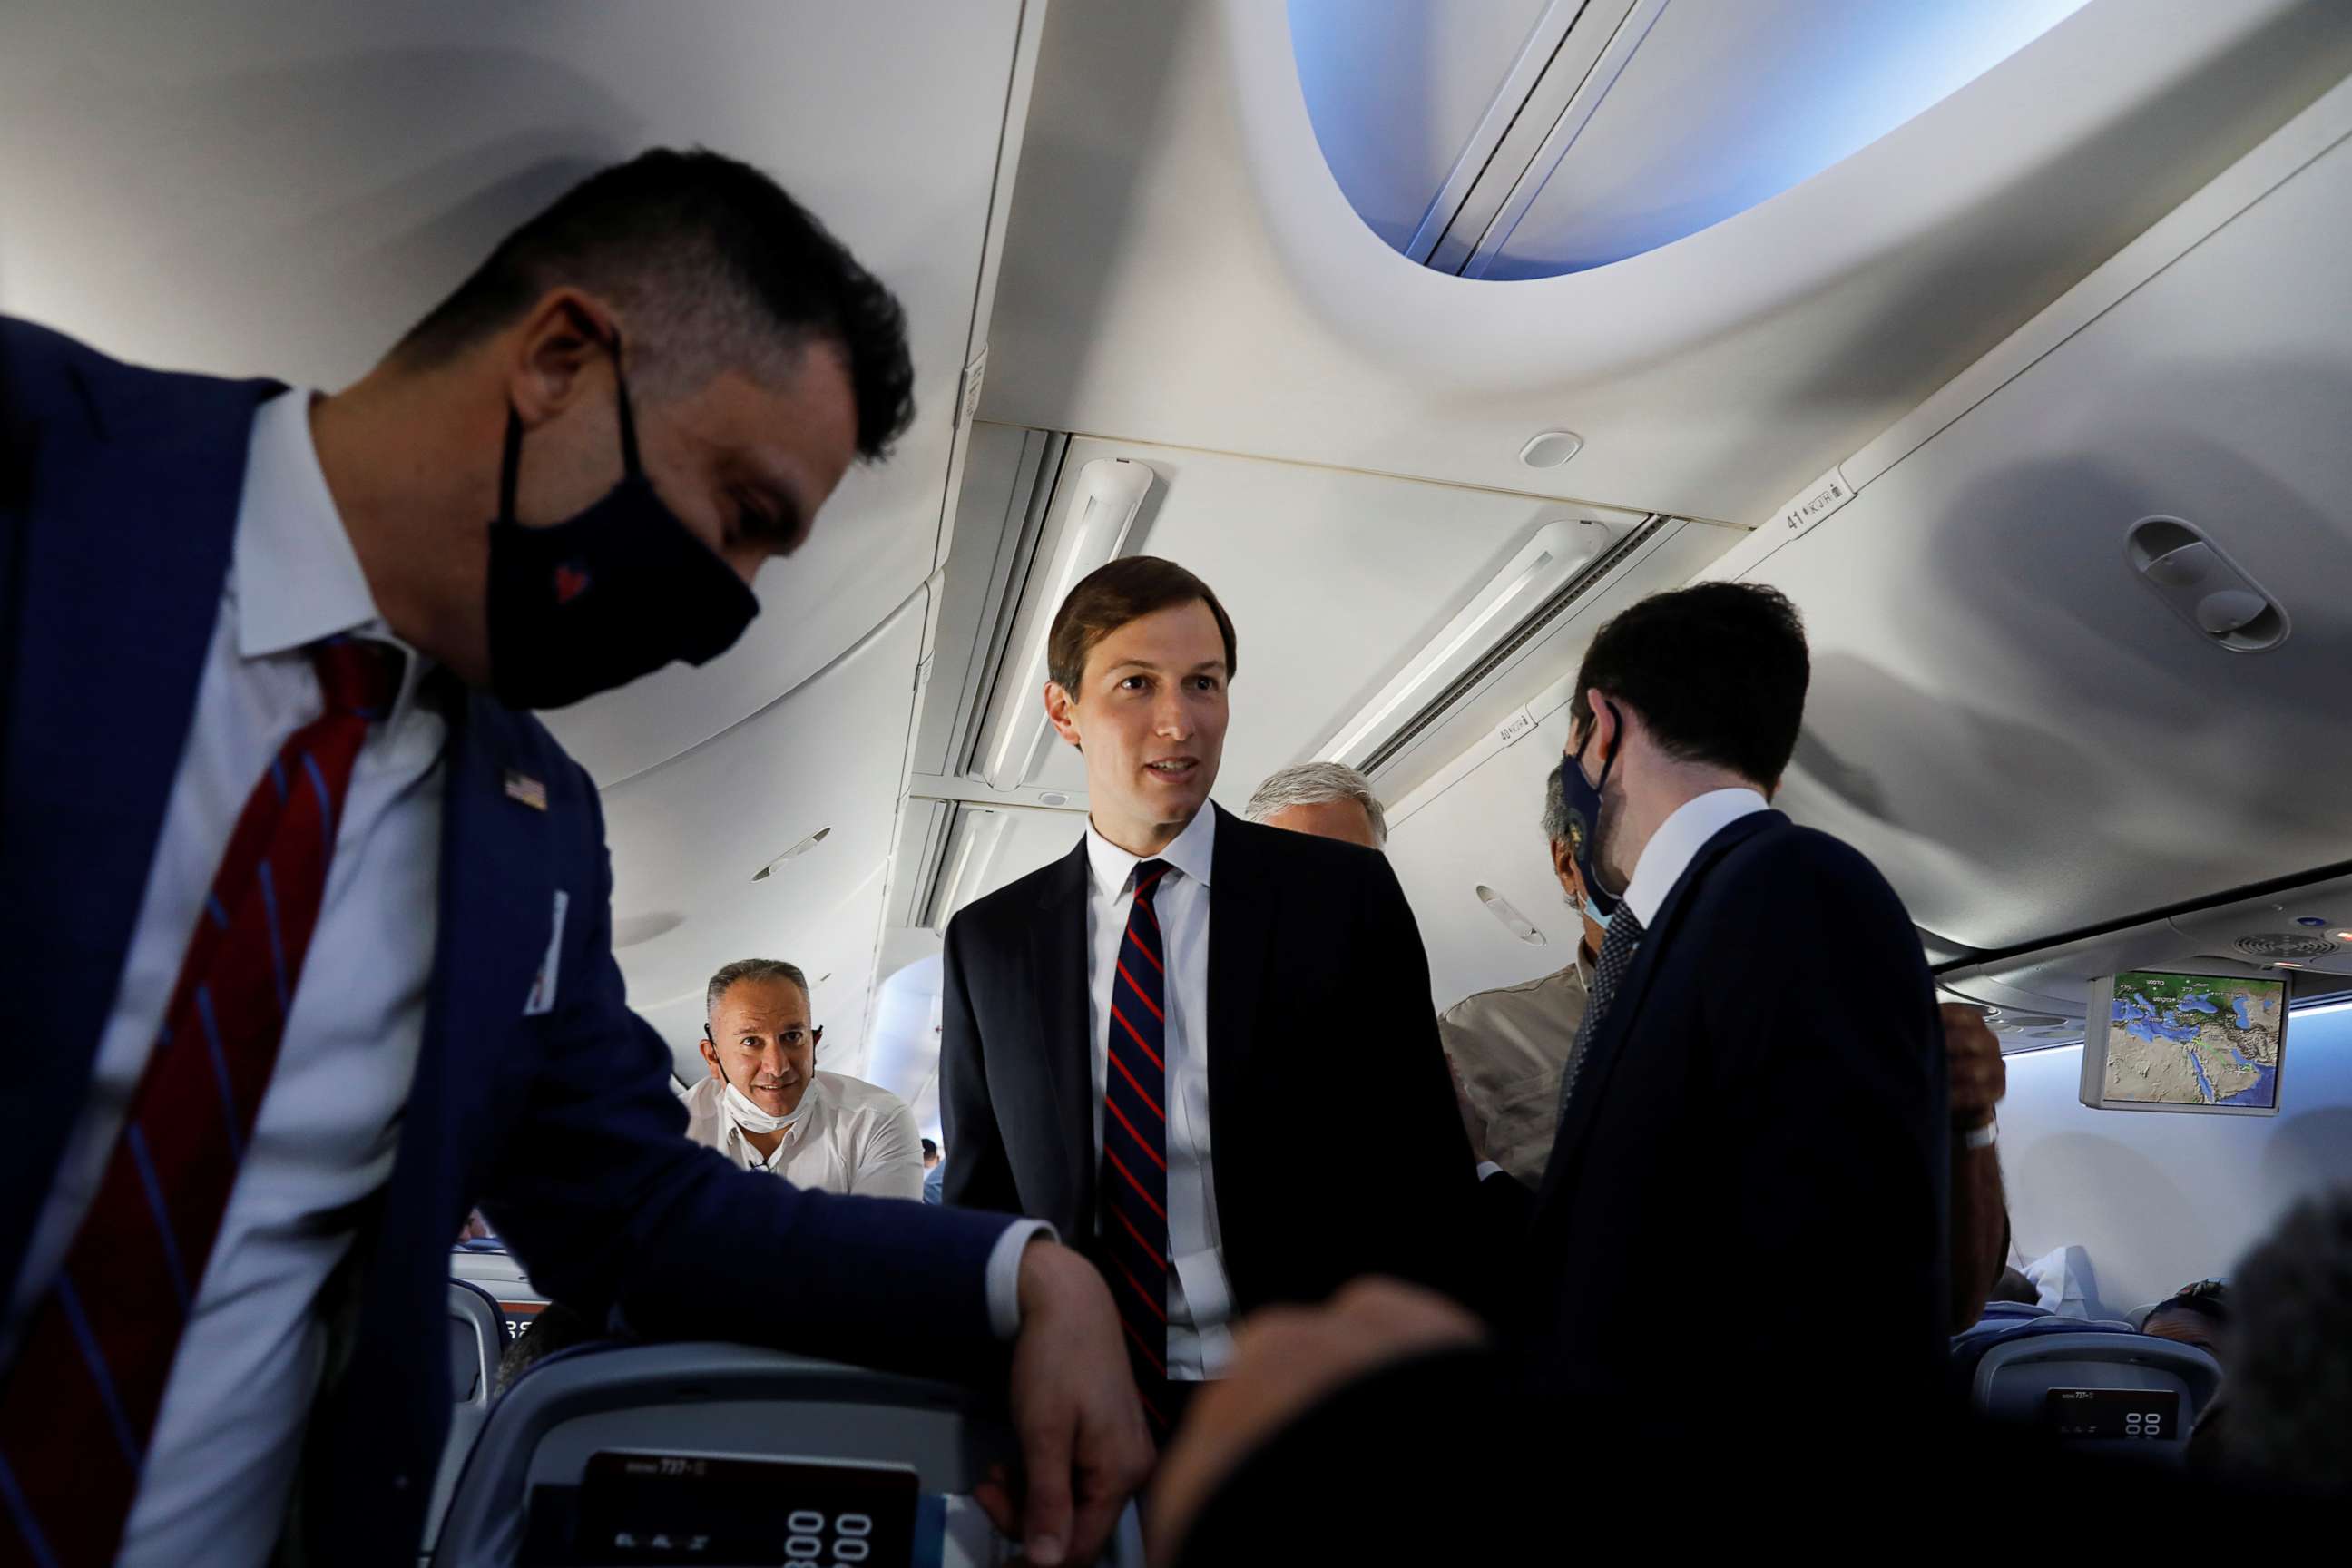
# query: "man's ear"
1062,710
559,351
710,1056
1563,866
1601,737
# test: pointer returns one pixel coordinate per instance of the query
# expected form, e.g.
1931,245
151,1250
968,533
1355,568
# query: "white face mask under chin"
751,1118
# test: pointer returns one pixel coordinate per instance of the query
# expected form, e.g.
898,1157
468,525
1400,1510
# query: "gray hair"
1315,783
750,969
1555,816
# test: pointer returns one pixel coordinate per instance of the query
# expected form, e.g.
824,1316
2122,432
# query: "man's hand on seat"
1284,1360
1083,1441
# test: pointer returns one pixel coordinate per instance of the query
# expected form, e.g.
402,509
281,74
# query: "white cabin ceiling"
1182,268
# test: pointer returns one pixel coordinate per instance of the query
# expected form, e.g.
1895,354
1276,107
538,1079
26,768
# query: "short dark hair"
1127,589
2288,1416
929,1148
716,266
1718,671
2015,1287
2208,1298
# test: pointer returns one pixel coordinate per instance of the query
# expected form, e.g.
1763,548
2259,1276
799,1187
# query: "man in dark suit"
1184,981
1757,1090
306,921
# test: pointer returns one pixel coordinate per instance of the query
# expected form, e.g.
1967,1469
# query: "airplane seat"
723,1453
478,1338
2008,1312
2102,1384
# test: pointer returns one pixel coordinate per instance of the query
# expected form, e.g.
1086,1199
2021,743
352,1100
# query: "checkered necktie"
79,1405
1134,1147
1616,956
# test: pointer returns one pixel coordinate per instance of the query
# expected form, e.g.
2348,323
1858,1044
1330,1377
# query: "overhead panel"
2022,734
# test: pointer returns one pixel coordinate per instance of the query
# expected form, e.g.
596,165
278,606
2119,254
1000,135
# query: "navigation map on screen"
2194,1040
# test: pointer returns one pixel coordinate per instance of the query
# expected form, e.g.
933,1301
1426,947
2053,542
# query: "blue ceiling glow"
1723,104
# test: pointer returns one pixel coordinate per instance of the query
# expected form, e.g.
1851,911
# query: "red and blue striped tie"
1134,1147
79,1405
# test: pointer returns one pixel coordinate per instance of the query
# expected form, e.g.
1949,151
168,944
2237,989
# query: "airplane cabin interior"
2010,340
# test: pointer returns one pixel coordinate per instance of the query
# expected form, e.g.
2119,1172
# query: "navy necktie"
1135,1146
1617,949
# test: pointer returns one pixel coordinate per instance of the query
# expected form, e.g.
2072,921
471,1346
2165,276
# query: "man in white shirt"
1133,1036
766,1107
312,919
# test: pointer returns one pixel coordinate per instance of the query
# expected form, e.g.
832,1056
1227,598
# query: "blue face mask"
1583,799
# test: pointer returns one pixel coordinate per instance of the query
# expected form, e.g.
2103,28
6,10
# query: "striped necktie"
79,1405
1616,956
1134,1147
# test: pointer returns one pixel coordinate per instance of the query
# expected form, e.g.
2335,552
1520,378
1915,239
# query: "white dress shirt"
1199,1299
226,1440
227,1437
852,1137
1667,856
1679,837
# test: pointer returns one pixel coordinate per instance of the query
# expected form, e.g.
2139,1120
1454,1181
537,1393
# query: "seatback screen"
649,1509
2128,1415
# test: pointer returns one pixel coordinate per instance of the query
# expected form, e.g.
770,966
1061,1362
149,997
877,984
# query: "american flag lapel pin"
526,789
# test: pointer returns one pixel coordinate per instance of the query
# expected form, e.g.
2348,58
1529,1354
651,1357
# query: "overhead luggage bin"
757,1455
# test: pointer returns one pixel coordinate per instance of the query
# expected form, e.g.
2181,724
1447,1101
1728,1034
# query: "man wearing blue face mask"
312,919
1509,1047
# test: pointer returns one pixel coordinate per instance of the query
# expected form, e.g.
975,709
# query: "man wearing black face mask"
1757,1085
312,922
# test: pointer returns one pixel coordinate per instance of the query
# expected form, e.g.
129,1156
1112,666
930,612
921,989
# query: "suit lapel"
122,525
1241,925
1607,1045
1058,967
497,918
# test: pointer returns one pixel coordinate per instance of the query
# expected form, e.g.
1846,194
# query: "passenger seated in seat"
2196,1315
2285,1415
2013,1287
766,1107
935,1172
1330,800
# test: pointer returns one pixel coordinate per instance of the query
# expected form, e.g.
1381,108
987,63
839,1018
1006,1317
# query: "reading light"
1102,512
1546,563
794,853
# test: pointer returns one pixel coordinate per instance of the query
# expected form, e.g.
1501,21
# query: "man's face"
1344,820
1149,716
743,465
761,1043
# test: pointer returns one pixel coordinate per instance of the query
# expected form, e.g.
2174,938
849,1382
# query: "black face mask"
1583,798
581,606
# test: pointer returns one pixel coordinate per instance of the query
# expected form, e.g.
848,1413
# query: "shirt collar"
1192,852
297,578
1680,837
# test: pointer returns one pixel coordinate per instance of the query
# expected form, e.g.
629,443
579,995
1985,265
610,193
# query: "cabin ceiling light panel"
1103,507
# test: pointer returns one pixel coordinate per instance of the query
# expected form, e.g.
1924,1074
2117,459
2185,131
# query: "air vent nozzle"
2294,944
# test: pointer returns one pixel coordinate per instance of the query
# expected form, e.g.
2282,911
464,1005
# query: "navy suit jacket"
118,495
1752,1176
1319,1017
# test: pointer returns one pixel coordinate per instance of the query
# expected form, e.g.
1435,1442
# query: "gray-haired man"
1330,800
1509,1046
766,1107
